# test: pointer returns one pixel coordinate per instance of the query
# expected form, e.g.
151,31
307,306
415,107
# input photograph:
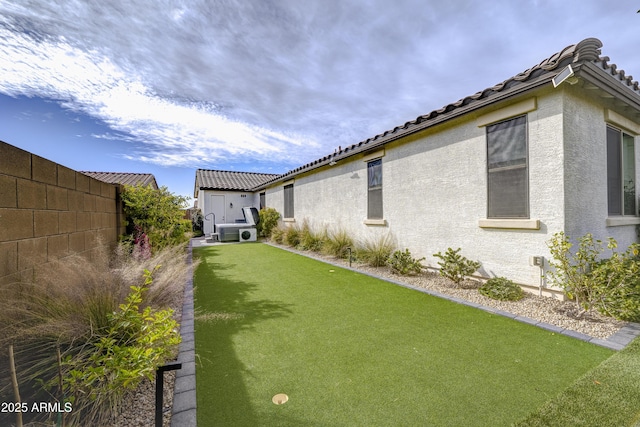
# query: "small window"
374,183
621,173
507,169
288,201
263,202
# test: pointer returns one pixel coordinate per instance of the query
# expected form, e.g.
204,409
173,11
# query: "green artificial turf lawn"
352,350
608,395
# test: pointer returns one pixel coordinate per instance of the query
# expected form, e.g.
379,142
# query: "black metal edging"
160,387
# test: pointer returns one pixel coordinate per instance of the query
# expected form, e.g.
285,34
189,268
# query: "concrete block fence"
49,211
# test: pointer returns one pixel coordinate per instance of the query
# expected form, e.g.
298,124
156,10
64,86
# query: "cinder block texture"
31,253
45,223
57,198
66,177
31,194
49,211
82,182
8,196
15,224
44,170
8,258
57,246
14,161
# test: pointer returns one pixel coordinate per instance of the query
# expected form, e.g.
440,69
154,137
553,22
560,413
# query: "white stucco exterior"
435,188
434,171
226,205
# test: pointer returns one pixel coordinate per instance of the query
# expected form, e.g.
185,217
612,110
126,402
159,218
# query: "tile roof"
582,56
124,178
207,179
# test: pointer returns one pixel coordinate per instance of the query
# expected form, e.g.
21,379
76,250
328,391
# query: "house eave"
603,80
405,131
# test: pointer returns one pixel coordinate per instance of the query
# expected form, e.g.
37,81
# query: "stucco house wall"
585,178
231,207
435,193
434,170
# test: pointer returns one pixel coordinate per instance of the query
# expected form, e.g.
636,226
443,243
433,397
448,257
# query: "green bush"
311,240
156,214
375,253
268,221
401,262
454,266
337,243
108,328
619,277
502,289
611,286
118,357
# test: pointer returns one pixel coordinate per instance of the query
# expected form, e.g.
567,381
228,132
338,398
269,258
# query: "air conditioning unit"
248,234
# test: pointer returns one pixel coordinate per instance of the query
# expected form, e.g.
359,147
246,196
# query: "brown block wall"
48,211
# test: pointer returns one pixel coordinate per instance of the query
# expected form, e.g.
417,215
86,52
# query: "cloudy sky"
167,86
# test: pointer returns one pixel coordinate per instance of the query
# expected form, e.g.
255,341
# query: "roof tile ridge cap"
587,50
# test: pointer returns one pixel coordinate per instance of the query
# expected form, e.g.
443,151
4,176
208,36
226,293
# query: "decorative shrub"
336,243
455,266
401,262
277,234
268,221
309,239
156,213
110,329
375,253
612,286
118,357
502,289
292,236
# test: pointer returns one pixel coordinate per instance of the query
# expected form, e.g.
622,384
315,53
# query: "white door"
216,207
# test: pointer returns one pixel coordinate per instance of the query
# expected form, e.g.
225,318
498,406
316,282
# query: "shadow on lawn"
224,307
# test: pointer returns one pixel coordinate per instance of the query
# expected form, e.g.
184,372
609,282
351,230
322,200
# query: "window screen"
508,177
621,172
374,183
288,201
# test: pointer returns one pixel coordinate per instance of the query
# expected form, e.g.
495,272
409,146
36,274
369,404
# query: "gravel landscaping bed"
544,309
139,409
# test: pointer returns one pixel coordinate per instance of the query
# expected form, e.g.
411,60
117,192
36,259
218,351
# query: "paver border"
184,391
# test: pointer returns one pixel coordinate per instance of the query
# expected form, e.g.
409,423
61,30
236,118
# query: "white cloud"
174,133
288,81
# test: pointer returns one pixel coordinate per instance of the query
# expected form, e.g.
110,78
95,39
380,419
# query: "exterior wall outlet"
536,260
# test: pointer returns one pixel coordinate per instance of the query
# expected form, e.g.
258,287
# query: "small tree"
455,266
158,214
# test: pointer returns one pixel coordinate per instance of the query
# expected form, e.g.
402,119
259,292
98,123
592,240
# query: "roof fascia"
595,75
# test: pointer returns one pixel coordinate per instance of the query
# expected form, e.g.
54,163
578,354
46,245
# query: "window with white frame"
288,201
621,173
374,185
507,169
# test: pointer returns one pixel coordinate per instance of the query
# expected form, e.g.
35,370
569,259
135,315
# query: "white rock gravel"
544,309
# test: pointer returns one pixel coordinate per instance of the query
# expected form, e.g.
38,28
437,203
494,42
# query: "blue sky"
166,87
